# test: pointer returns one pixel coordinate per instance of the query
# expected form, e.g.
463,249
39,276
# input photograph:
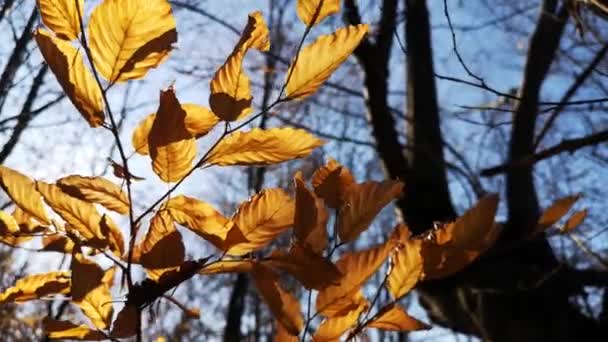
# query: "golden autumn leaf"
554,213
228,266
27,228
162,247
310,219
300,261
62,17
282,335
262,218
316,62
332,328
283,305
331,182
90,292
128,38
57,243
457,244
8,224
205,221
37,286
199,121
394,318
362,202
263,147
57,329
312,12
356,268
86,275
81,216
407,267
22,190
574,221
96,190
116,242
77,82
172,150
125,324
230,97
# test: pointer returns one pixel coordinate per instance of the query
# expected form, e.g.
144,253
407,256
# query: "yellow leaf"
57,243
199,121
362,202
228,266
22,190
333,327
77,82
8,224
317,61
310,219
125,324
262,219
470,229
116,241
263,147
356,268
407,269
80,215
62,17
205,221
96,190
172,150
162,247
312,12
56,329
299,262
86,276
331,183
90,292
282,335
283,305
574,221
554,213
37,286
130,37
230,97
393,318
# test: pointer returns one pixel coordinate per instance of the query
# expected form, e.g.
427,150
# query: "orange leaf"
554,213
22,190
574,221
331,183
394,318
262,219
37,286
356,268
162,247
62,17
228,266
284,306
282,335
362,202
57,243
407,267
312,12
96,190
172,150
335,326
310,217
56,329
77,82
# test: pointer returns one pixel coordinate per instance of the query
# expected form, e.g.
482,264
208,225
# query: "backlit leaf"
77,82
230,97
316,62
299,262
96,190
574,221
394,318
282,335
22,190
283,305
86,276
37,286
331,182
79,215
62,17
263,147
162,247
554,213
116,241
310,222
90,292
356,268
228,266
57,243
407,267
56,329
362,202
140,135
335,326
172,150
8,224
205,221
128,38
312,12
125,324
263,218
